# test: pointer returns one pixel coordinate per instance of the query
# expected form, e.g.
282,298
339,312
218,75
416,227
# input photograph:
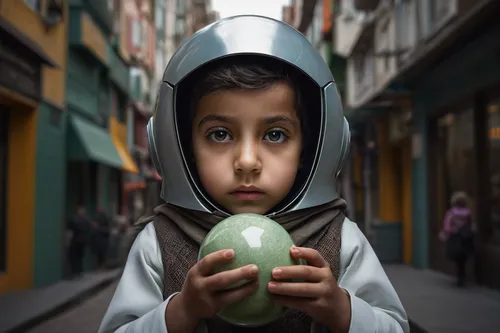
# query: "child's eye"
275,136
219,135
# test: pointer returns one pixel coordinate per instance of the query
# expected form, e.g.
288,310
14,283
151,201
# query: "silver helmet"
236,37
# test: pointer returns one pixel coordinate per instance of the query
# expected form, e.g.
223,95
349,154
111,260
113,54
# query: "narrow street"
83,318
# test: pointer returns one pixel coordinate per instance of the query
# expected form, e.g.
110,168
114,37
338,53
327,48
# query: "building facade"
170,29
32,150
423,84
191,16
315,19
146,44
97,95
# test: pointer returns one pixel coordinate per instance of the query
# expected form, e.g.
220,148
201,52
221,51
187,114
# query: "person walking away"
458,233
100,239
79,225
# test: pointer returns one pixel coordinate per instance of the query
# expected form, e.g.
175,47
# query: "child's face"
247,147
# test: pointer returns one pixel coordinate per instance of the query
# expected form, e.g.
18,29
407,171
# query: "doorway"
403,160
452,169
4,151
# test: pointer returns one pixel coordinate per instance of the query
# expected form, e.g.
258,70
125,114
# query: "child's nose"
247,158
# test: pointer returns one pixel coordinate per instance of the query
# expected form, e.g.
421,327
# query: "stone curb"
62,306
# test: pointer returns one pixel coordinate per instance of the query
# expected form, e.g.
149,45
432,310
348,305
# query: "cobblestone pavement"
82,318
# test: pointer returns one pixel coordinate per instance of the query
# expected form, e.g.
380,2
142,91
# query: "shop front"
457,111
21,64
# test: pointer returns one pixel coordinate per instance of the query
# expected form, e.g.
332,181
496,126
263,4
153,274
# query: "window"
456,156
103,100
137,33
160,14
179,28
118,106
4,136
179,6
122,109
160,61
494,155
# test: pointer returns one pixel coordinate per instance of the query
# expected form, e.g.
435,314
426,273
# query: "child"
458,233
248,120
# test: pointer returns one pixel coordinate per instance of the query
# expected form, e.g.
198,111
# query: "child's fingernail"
272,285
295,250
254,269
277,272
229,253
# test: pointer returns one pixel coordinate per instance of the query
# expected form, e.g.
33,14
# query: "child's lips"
247,195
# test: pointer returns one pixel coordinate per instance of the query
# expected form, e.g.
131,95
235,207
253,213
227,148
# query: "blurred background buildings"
420,82
421,86
77,87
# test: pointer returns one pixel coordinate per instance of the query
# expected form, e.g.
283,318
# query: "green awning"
87,141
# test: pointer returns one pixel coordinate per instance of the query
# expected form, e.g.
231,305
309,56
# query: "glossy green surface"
257,240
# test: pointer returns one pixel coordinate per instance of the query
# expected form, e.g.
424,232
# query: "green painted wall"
475,67
420,188
50,196
104,187
82,93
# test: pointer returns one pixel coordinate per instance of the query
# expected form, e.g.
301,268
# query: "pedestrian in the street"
458,233
260,130
100,237
79,226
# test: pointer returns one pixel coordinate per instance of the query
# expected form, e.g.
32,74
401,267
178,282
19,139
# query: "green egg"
257,240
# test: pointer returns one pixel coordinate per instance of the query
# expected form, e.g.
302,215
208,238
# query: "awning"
127,160
87,141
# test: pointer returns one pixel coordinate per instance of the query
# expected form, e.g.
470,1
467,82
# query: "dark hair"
251,73
247,74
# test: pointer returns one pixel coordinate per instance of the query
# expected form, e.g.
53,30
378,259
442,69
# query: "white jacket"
138,305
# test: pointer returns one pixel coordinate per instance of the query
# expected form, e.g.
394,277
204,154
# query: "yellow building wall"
118,132
388,182
22,138
20,193
52,41
92,37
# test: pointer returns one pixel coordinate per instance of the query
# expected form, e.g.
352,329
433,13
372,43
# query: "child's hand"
203,296
319,295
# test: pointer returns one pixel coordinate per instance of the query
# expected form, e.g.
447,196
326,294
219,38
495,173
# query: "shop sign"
19,72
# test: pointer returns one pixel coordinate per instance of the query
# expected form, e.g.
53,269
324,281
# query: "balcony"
442,12
118,74
180,31
385,45
84,35
101,12
360,78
